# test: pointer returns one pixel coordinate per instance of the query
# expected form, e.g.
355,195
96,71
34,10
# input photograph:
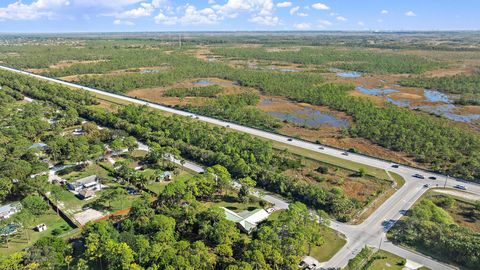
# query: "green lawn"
400,181
346,164
91,169
158,187
333,243
20,242
383,260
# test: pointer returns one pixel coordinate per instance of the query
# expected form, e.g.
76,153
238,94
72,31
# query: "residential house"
247,221
7,210
84,183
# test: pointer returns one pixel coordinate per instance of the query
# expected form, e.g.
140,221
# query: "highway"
372,230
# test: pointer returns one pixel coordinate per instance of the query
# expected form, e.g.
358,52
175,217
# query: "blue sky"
236,15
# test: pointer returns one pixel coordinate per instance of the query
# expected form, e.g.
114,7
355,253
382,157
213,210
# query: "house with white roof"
84,183
247,221
7,210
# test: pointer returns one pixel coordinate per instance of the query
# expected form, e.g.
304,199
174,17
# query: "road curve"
372,230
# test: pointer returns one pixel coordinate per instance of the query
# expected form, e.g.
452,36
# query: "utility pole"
446,178
380,244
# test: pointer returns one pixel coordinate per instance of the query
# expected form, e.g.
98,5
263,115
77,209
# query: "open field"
21,240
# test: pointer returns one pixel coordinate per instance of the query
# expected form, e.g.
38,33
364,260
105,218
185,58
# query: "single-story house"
84,183
41,227
247,221
7,210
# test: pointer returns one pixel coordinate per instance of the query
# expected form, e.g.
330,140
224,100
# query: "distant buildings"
7,210
247,221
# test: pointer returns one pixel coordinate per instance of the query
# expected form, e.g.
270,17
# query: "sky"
45,16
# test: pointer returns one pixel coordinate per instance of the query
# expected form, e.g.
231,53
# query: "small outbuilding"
41,227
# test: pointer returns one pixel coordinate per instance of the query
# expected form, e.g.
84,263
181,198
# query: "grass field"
333,243
158,187
346,164
19,242
383,260
91,169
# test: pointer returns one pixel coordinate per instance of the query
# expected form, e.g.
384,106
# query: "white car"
270,210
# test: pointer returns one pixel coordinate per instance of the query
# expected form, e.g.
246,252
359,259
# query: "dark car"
321,148
345,153
419,176
395,166
289,140
432,178
460,187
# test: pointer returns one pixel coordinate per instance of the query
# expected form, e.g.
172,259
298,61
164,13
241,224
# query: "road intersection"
373,230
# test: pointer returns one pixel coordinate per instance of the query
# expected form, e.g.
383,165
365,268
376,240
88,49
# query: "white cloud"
265,20
410,14
301,14
191,16
302,26
320,6
284,4
384,12
167,20
35,10
324,23
145,10
361,23
122,22
341,18
294,10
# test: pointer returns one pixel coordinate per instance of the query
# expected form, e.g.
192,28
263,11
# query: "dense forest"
237,108
350,59
430,228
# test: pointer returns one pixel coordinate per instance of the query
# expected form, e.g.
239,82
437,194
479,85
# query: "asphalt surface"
373,229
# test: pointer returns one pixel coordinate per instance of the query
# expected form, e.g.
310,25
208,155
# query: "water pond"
349,74
376,91
311,118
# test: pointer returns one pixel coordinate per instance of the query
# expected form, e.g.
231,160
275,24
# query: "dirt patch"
87,215
407,96
67,63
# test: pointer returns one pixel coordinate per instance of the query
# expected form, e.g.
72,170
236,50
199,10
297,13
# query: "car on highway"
460,187
270,210
321,148
395,166
426,185
419,176
289,139
432,178
345,153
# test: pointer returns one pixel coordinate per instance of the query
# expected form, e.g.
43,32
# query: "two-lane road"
370,232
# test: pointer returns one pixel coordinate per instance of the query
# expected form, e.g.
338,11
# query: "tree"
5,188
247,185
35,204
131,143
221,176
